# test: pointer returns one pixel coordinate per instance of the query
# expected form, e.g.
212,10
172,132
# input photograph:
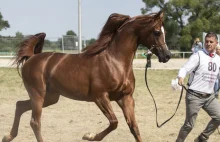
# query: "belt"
198,94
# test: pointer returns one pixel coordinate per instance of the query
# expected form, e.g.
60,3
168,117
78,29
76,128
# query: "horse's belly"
70,84
76,96
71,91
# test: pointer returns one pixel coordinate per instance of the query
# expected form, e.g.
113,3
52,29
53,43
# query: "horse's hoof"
89,136
6,139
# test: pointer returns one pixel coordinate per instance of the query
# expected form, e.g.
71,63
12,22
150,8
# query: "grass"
159,81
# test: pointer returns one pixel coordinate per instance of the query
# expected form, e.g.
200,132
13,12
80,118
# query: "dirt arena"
69,120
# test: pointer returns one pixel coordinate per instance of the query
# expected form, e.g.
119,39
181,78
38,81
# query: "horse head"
152,35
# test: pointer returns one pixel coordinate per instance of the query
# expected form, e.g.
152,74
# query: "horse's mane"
149,20
116,22
105,37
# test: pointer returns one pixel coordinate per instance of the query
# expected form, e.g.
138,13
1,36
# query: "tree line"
184,21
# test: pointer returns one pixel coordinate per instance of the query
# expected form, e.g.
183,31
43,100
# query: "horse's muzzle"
165,58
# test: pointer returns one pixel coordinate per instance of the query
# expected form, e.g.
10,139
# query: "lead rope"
181,94
183,87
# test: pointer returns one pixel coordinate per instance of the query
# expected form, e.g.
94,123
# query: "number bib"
206,73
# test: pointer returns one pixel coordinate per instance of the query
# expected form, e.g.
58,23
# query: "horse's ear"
159,15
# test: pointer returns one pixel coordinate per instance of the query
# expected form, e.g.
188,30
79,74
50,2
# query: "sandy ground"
6,62
69,120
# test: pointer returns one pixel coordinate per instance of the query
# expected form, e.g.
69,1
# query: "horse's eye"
157,33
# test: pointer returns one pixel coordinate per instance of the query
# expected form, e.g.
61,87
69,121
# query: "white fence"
138,55
174,55
65,44
182,53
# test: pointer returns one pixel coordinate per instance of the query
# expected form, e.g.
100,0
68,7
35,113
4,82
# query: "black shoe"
199,139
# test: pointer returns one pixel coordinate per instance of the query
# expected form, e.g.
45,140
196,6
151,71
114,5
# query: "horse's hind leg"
127,105
37,103
104,104
21,107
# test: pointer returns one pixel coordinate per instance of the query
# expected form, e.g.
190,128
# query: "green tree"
71,32
16,40
91,41
19,35
70,40
3,23
186,19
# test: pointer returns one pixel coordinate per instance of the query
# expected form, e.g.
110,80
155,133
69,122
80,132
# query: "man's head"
211,41
196,41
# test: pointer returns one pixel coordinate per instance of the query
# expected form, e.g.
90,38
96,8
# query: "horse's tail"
27,48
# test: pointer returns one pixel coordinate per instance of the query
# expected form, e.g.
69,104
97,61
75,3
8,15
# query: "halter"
156,45
155,105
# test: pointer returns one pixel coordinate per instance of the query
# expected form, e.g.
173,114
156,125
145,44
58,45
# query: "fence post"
62,45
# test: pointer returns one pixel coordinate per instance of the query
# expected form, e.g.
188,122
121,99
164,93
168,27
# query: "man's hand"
180,81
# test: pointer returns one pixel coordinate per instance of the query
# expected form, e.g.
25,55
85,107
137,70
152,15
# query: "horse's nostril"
168,57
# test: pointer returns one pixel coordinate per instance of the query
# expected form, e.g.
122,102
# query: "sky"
56,17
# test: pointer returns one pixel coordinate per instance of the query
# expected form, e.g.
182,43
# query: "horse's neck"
124,48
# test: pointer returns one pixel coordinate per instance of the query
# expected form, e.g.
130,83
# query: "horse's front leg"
104,104
127,105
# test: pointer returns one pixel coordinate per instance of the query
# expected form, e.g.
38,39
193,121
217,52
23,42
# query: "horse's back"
48,64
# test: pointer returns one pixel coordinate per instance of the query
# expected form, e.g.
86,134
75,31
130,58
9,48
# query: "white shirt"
206,71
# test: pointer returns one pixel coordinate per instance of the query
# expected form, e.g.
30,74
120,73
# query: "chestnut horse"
100,74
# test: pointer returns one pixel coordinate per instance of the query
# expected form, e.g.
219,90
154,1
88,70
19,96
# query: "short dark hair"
212,34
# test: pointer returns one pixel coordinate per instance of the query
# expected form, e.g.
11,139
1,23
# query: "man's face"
210,44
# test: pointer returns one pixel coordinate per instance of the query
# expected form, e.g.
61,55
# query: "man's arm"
190,66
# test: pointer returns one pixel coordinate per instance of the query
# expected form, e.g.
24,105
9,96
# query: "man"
203,67
197,45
